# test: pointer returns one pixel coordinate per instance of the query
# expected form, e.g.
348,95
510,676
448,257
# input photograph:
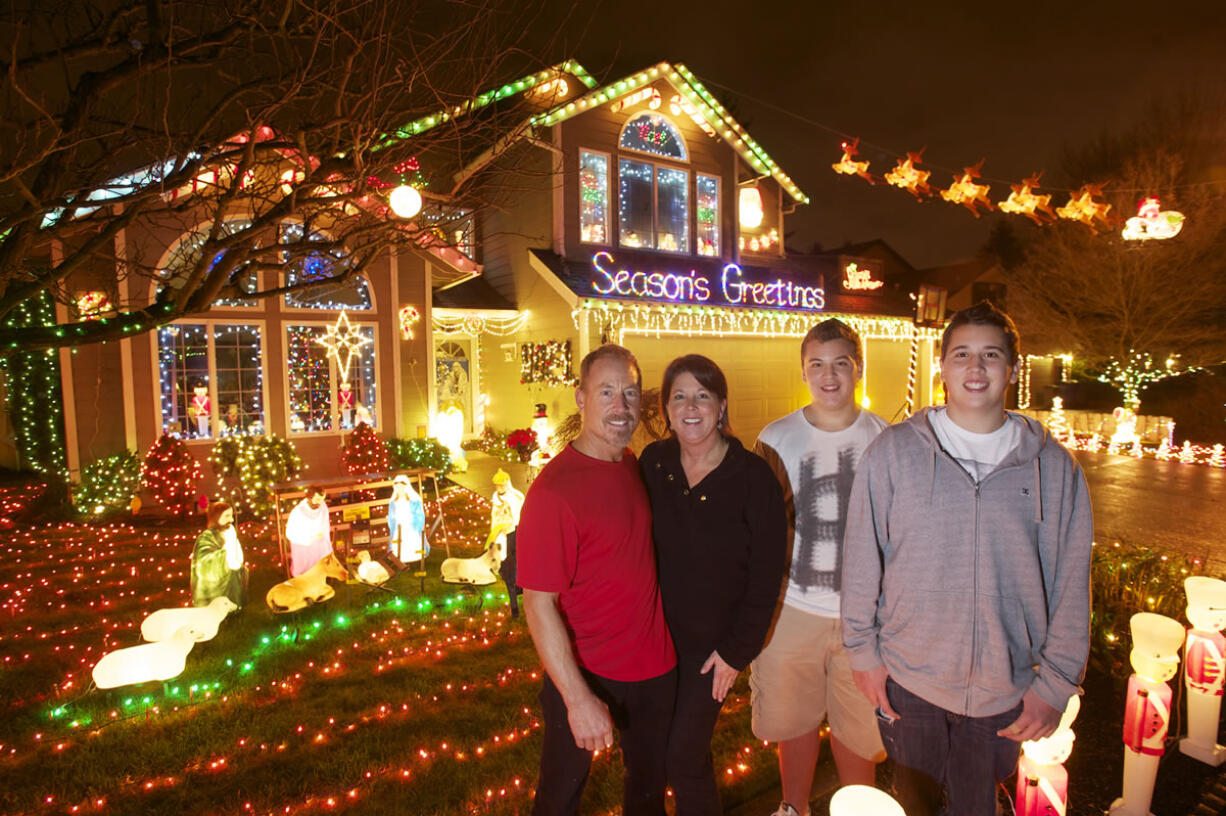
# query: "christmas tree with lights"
172,476
1217,458
1187,455
248,469
1057,424
364,452
108,484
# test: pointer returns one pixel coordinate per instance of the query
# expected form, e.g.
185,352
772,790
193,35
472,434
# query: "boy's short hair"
834,329
611,351
316,490
984,313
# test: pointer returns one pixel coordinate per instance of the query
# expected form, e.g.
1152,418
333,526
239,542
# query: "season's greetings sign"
730,286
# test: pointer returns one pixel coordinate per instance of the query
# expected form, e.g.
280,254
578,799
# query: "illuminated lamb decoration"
204,620
146,663
1152,222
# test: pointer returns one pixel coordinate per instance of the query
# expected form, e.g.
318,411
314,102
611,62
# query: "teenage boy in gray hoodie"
966,571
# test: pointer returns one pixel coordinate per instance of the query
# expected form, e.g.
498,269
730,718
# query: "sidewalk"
481,469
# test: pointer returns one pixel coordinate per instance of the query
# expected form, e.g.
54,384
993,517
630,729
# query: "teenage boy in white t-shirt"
966,580
803,674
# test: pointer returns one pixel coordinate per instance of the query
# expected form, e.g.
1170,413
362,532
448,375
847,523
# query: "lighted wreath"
549,363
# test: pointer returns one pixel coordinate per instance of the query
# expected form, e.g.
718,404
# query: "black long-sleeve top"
721,547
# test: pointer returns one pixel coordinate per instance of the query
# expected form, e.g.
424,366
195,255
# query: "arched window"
649,132
186,255
653,200
352,294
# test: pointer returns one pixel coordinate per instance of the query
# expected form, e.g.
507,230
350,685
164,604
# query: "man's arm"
590,723
1062,658
862,570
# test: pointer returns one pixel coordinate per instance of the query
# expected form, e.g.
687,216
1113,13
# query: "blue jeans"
934,750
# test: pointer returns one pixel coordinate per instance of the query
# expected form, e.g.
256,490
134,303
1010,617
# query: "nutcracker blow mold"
1042,782
1147,708
1204,667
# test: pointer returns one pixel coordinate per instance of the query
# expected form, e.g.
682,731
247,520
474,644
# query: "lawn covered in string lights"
406,702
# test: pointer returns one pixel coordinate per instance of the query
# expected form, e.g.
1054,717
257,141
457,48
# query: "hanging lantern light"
405,201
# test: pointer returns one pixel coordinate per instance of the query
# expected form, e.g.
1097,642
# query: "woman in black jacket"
721,544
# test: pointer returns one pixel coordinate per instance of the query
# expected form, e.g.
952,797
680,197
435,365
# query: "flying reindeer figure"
909,177
849,167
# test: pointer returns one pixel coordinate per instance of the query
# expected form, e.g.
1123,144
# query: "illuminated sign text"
695,287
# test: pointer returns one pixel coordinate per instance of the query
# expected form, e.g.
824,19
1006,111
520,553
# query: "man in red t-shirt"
587,568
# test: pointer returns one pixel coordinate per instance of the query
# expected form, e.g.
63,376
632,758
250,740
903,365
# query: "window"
212,380
593,198
323,394
707,188
352,294
653,206
672,209
452,226
187,254
651,133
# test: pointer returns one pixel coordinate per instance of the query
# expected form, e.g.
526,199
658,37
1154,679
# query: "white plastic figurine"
204,620
1204,667
1147,709
1042,782
145,663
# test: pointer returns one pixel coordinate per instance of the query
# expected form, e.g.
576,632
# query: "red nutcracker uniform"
1203,665
1042,790
1147,714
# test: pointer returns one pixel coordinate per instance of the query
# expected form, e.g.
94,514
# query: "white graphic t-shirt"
978,453
819,467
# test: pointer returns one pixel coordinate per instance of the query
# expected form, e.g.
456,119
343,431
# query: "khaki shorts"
803,675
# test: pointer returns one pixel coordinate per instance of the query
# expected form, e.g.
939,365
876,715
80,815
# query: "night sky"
1014,83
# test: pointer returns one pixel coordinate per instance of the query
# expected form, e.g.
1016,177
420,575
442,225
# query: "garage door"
763,374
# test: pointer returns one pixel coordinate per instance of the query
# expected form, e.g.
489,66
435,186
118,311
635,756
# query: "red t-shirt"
585,533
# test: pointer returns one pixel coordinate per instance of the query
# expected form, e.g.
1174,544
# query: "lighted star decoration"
1151,221
344,339
966,192
1023,201
1082,207
848,166
909,177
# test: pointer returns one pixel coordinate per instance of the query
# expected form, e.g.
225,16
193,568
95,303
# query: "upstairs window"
593,197
707,215
653,205
187,255
650,132
352,294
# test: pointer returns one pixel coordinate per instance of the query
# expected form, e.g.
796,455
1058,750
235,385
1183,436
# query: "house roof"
701,106
471,294
955,277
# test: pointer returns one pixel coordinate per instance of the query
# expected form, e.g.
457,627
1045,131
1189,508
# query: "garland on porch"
548,363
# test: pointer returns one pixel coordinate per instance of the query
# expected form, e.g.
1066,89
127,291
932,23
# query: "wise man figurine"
200,409
1042,782
344,401
1147,708
1204,667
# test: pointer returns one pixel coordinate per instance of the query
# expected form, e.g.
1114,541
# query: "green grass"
417,701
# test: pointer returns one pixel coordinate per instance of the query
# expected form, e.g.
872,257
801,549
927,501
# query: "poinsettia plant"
523,442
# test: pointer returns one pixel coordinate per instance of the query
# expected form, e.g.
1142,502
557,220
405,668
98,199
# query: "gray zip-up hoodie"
969,593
